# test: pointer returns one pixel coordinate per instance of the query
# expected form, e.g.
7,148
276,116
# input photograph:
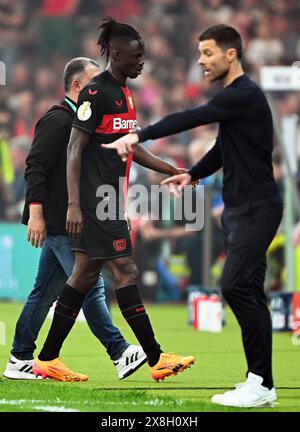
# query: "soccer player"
253,208
106,111
45,215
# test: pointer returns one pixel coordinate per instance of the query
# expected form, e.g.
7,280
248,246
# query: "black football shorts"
106,239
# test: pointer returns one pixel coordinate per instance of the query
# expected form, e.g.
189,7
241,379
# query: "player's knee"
84,282
127,275
131,279
91,278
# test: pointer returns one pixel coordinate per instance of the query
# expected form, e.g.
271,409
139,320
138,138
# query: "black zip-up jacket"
45,173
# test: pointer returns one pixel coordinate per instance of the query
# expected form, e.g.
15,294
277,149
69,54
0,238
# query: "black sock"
67,308
133,310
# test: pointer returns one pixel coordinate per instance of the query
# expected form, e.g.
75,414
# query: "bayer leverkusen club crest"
130,101
84,112
120,245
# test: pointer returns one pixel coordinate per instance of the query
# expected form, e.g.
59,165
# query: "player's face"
131,61
214,62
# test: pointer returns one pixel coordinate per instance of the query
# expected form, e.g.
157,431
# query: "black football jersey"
106,111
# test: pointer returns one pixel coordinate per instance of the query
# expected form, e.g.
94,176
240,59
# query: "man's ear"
76,85
115,54
231,54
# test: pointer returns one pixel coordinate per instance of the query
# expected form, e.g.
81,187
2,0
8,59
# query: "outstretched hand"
179,179
123,145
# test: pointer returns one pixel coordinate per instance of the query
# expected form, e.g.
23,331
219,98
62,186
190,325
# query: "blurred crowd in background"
37,39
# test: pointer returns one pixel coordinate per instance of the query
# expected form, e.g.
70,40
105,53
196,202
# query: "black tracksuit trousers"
249,230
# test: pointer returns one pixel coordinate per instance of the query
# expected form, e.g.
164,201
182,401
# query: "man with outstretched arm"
253,208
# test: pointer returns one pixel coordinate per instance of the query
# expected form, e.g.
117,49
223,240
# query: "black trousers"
249,230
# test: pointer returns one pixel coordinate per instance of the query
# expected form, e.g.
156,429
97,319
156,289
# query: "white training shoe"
19,369
249,394
130,361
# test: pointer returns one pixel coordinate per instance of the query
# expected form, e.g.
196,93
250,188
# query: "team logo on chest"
119,103
84,112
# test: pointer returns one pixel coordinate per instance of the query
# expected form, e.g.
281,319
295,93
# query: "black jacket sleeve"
221,107
47,147
209,164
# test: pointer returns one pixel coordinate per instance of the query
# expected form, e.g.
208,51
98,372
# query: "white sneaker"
247,395
130,361
19,369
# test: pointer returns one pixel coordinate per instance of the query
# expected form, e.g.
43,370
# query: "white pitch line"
43,404
55,409
30,402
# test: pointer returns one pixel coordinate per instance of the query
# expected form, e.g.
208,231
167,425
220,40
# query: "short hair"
75,67
225,36
111,29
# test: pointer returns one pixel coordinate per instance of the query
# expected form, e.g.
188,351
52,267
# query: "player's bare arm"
144,157
78,141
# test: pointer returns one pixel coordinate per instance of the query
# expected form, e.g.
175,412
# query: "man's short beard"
221,76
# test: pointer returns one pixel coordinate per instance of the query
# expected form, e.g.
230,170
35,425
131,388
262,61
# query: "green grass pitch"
219,365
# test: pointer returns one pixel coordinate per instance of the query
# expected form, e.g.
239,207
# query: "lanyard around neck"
73,106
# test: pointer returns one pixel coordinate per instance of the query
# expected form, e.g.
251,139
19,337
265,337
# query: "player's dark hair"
75,67
110,30
225,36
